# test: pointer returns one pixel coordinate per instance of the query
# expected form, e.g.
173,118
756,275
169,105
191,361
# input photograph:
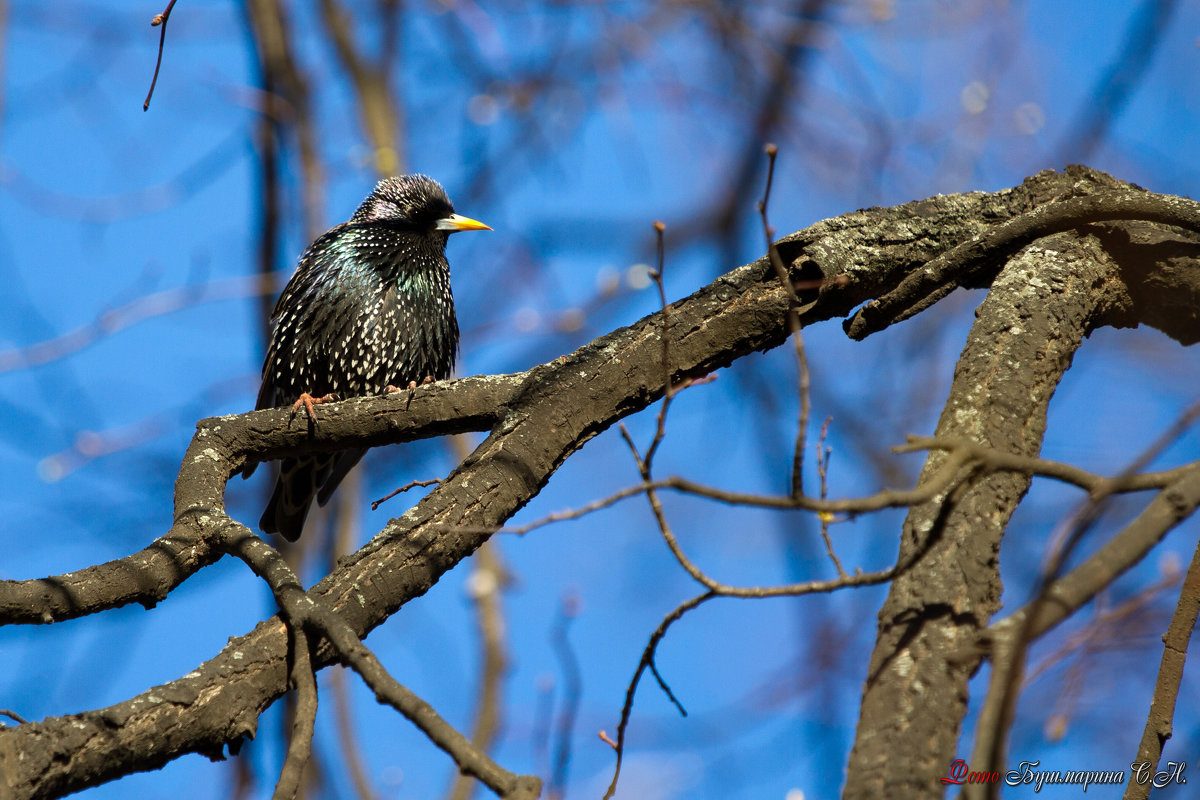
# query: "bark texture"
1042,304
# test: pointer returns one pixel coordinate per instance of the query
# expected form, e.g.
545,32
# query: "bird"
368,310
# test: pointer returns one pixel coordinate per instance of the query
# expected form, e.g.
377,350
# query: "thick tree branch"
536,420
1040,308
217,451
958,266
304,614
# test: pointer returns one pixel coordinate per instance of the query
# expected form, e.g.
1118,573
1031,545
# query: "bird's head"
414,201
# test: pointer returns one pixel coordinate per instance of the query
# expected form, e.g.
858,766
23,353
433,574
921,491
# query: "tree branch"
536,420
1170,675
1040,308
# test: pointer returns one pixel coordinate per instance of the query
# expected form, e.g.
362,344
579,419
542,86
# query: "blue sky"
101,204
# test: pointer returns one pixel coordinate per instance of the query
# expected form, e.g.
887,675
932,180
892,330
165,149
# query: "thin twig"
662,684
14,716
157,21
963,452
773,252
668,389
823,454
575,513
410,485
1002,461
803,375
727,590
631,689
720,590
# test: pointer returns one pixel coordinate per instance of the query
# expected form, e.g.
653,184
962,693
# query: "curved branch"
216,453
536,419
1040,308
942,275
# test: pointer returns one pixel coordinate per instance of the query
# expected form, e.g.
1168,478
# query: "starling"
368,310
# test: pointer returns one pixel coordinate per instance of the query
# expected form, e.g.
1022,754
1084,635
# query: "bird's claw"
411,389
309,402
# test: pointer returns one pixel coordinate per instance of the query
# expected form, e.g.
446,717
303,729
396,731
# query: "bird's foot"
308,401
411,389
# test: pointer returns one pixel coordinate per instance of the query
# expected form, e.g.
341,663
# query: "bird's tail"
298,482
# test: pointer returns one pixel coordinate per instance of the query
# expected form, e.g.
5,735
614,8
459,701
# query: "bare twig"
576,513
660,428
14,716
662,684
158,20
803,379
823,454
716,589
410,485
1001,461
631,689
963,452
726,590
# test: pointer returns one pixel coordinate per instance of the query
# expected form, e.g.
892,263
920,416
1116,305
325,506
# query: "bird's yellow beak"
455,222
